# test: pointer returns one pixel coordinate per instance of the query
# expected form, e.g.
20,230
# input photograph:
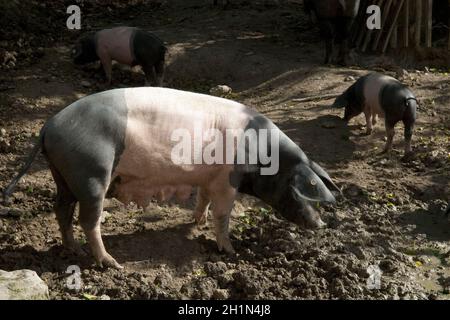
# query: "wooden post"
385,15
429,24
418,23
405,31
394,22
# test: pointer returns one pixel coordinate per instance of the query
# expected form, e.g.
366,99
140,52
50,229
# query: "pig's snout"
315,223
310,219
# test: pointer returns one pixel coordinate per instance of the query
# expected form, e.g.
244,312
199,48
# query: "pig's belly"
161,181
122,55
372,88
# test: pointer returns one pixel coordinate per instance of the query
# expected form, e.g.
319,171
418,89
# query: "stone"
220,294
221,90
349,78
105,216
22,285
85,83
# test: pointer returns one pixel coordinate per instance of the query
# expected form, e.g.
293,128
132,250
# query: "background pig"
379,95
126,45
118,143
335,18
224,3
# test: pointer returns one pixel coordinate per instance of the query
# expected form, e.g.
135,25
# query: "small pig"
126,45
379,95
335,18
120,143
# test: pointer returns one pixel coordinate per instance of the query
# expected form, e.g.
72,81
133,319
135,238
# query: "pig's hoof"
225,245
408,157
320,224
109,262
384,152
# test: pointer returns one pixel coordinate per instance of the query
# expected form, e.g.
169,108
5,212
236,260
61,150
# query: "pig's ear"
301,197
309,186
341,101
325,177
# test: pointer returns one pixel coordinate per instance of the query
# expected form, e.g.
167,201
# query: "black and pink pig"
126,45
376,95
120,143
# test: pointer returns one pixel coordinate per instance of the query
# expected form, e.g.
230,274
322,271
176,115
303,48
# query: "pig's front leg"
223,202
107,66
89,217
201,209
369,127
150,76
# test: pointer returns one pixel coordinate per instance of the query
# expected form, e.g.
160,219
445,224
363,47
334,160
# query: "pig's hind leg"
409,128
327,33
91,207
150,77
64,209
390,132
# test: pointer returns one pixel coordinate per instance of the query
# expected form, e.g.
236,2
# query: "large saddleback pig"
126,45
335,19
379,95
121,143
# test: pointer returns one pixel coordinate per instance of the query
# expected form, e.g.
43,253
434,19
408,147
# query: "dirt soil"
391,215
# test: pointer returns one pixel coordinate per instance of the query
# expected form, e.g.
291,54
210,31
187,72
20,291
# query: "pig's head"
351,104
293,191
84,51
303,189
297,186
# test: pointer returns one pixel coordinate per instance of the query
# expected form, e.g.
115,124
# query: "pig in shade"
335,19
126,45
119,143
379,95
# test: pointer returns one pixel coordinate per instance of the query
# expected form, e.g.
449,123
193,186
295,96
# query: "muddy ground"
391,216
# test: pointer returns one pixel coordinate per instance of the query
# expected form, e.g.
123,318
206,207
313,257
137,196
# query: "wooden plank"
394,22
429,24
418,23
406,25
368,35
384,16
360,22
394,37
